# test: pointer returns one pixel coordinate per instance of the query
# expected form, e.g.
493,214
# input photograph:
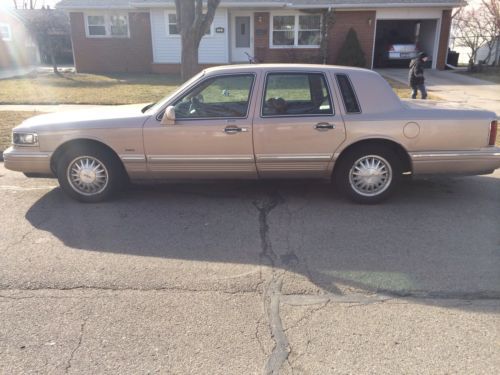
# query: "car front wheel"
368,175
89,175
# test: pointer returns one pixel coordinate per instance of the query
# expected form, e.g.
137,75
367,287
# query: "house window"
172,25
296,30
107,25
5,32
118,25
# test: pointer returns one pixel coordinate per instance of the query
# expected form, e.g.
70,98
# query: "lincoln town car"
258,122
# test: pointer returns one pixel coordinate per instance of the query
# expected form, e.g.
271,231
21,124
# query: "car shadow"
434,240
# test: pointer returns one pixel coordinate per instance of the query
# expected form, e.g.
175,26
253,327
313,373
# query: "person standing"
416,75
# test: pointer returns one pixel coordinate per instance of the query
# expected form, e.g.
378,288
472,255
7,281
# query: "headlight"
25,139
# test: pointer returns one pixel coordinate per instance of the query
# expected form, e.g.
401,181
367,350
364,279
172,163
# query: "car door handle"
234,129
324,126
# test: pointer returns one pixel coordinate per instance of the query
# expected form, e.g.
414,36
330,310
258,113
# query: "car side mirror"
169,116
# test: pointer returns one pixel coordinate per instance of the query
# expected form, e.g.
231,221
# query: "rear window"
349,98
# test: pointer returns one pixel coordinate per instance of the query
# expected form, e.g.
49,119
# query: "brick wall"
363,23
104,55
443,39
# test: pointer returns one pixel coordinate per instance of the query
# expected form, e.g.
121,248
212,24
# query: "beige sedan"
256,122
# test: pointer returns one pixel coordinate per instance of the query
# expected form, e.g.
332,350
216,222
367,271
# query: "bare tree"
492,18
49,27
471,31
192,24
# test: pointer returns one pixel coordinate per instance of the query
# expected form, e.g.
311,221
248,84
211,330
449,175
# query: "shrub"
351,53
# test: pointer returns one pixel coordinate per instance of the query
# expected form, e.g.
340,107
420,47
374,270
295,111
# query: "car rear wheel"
368,174
89,175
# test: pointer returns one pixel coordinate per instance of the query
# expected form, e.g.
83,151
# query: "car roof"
269,67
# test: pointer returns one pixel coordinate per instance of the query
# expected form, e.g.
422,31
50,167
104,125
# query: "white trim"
437,38
296,30
8,38
167,24
107,24
231,36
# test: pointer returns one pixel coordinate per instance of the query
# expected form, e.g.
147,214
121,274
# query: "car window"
296,94
348,95
223,96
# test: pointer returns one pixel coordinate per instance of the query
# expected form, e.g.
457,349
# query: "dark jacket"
416,74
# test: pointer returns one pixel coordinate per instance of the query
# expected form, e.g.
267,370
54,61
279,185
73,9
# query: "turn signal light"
493,132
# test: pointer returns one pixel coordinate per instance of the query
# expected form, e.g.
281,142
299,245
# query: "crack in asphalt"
281,349
78,345
272,292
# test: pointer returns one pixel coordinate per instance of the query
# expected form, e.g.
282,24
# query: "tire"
369,174
90,174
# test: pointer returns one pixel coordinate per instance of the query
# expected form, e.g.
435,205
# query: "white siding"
167,49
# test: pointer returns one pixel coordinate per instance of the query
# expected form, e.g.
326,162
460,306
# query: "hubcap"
87,175
370,175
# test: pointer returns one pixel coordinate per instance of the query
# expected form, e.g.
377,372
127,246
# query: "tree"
49,28
492,18
351,53
471,31
192,24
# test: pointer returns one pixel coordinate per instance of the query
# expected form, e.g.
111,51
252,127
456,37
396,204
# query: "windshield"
155,107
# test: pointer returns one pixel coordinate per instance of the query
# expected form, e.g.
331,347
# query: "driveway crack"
78,345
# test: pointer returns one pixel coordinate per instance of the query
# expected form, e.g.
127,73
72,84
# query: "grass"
75,88
488,73
8,120
404,91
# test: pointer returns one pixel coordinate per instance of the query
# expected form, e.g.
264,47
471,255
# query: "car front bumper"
27,160
482,161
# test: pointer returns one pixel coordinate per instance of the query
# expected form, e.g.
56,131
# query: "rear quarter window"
349,98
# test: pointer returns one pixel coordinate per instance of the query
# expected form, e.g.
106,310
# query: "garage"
397,41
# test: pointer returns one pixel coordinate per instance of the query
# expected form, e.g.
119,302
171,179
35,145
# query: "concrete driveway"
249,278
455,87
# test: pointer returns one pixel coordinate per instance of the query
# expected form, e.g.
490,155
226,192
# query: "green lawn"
74,88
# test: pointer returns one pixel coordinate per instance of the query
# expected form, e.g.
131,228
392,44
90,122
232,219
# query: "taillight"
493,132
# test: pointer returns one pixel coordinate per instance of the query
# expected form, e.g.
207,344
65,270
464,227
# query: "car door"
297,129
212,133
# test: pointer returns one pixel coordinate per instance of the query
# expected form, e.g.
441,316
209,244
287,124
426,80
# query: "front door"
212,134
241,38
298,129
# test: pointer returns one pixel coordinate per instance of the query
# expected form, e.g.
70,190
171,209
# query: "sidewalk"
455,87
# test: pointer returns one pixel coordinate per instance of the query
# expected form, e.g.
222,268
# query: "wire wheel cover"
370,175
87,175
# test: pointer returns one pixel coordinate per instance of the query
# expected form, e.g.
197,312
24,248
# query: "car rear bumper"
27,160
456,162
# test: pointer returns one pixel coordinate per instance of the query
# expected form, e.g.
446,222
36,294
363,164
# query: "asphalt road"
243,278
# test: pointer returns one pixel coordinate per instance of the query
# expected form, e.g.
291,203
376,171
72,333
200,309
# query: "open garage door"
399,41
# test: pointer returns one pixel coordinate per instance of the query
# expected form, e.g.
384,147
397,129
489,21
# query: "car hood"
99,117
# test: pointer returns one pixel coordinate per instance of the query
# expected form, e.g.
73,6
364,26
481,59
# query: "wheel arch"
83,142
394,146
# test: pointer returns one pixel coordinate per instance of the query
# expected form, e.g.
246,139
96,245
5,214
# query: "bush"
351,53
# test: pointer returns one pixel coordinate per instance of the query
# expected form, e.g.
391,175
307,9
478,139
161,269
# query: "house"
18,50
142,35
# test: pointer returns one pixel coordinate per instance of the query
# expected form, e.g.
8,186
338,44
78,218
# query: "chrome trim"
293,158
457,154
133,158
35,155
159,158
